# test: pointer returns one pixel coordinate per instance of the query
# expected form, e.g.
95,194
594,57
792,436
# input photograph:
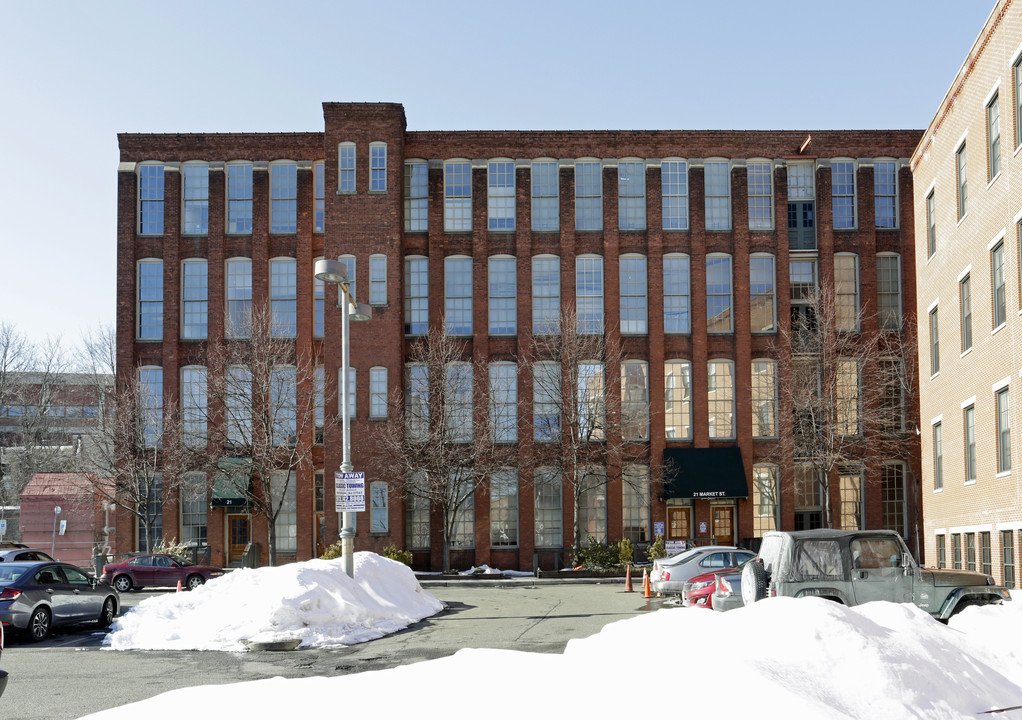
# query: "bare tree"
261,412
455,434
581,422
836,388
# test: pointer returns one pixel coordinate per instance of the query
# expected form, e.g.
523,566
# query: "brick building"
968,214
682,244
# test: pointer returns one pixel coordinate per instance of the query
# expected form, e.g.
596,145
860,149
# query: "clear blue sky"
74,74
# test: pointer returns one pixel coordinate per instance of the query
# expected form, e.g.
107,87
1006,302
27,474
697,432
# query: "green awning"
704,473
234,474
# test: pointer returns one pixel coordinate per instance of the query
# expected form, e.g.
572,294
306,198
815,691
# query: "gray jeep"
858,566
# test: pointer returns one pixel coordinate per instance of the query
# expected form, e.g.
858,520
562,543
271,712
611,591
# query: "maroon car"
696,591
142,571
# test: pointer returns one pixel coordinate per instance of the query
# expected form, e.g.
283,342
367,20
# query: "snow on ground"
781,658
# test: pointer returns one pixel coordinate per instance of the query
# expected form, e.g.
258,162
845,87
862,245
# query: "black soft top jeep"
858,566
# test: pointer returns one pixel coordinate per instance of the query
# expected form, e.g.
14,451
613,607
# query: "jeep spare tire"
754,582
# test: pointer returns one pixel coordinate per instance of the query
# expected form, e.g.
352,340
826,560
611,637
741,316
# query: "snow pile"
781,658
314,602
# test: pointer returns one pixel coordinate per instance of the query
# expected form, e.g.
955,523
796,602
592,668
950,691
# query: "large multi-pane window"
592,405
459,402
239,297
807,499
319,401
885,194
718,294
463,536
283,297
283,489
801,206
149,404
1008,558
416,515
193,405
678,399
545,201
150,199
993,138
762,288
195,197
416,196
546,401
546,295
956,551
934,341
631,191
963,182
635,504
931,225
941,551
457,196
193,509
318,198
504,508
458,295
379,508
970,551
548,508
999,299
764,399
677,294
194,299
378,392
892,497
318,306
842,185
500,201
969,436
283,406
1003,431
761,195
634,400
889,291
238,401
765,505
503,301
504,402
588,195
720,399
850,489
717,174
938,456
150,300
346,167
592,504
152,506
377,279
283,197
674,194
892,401
377,167
847,396
417,416
632,276
965,299
985,566
416,295
239,198
589,294
846,291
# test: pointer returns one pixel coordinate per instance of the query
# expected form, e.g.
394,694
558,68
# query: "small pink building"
81,513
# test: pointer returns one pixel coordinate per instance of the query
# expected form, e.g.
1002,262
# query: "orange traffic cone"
628,578
179,586
645,584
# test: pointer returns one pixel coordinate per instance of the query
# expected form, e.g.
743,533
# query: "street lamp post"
334,271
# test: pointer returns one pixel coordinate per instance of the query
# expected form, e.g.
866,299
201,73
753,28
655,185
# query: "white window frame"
457,196
546,297
588,196
377,167
195,197
346,166
717,203
458,295
545,198
500,195
283,198
502,301
632,294
146,307
674,194
715,328
761,197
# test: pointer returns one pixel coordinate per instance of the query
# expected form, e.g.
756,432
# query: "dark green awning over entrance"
234,473
704,473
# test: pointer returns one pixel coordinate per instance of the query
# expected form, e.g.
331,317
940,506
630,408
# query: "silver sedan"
35,597
669,574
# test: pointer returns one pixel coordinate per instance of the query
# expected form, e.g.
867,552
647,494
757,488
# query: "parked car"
669,574
158,570
697,590
3,673
35,597
855,567
727,591
24,554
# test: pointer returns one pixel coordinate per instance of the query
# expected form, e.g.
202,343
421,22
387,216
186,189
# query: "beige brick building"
967,174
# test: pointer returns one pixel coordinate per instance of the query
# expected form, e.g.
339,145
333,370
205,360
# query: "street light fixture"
334,271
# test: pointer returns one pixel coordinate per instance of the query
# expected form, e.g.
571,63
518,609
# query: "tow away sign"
350,491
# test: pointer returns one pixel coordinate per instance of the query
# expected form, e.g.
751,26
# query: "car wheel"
106,617
122,583
194,581
39,625
754,582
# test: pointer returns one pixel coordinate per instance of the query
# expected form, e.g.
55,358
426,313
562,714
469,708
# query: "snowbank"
314,601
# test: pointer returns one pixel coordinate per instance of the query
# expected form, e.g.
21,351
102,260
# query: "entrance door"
724,525
679,523
237,537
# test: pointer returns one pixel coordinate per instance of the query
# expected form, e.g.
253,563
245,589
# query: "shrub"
596,556
333,552
658,549
402,556
625,552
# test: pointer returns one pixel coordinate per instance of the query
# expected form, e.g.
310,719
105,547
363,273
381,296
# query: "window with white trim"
846,291
717,175
592,404
761,195
931,225
889,291
416,514
417,419
503,301
458,295
631,191
674,194
283,297
549,508
195,198
678,399
719,318
635,510
500,199
993,138
588,195
193,406
377,279
938,456
458,402
764,399
416,196
885,194
194,299
457,196
962,178
318,304
504,402
801,206
632,290
677,294
378,392
765,505
194,509
842,187
934,342
546,401
969,436
318,197
463,535
847,397
239,198
150,404
238,415
283,197
1003,431
634,400
346,167
150,199
504,508
763,291
546,295
416,295
150,299
999,303
592,503
589,294
721,399
282,411
319,401
378,167
965,299
545,196
379,509
283,490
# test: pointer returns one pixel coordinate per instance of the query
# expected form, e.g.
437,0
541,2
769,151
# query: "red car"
697,591
142,571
